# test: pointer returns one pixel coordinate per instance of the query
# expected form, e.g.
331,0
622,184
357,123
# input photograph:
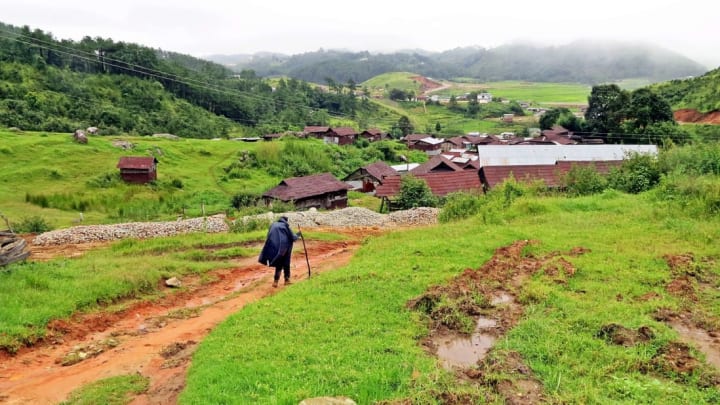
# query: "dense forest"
582,62
62,85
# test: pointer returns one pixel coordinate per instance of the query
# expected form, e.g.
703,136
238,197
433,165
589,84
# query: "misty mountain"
588,62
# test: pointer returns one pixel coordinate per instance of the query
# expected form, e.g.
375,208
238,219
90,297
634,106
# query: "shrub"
244,199
638,173
249,224
581,180
414,193
34,224
105,180
460,206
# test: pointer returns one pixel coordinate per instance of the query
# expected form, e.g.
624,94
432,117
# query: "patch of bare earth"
689,115
154,338
488,296
698,330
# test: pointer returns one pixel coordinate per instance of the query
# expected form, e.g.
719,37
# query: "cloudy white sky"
204,27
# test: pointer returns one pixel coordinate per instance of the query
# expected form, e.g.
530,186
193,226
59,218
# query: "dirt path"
155,339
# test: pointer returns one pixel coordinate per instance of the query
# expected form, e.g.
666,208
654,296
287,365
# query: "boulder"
80,137
173,282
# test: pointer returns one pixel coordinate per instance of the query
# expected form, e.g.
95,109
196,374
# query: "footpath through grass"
34,293
348,332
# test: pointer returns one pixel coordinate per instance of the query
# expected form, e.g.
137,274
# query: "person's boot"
275,283
287,281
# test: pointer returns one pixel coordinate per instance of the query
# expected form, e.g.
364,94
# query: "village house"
312,131
431,146
484,98
436,164
318,191
138,169
508,118
551,175
411,139
369,177
373,135
340,136
440,184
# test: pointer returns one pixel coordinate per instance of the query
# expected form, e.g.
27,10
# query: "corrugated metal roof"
296,188
379,170
136,162
503,155
440,184
315,129
344,131
552,175
405,167
435,164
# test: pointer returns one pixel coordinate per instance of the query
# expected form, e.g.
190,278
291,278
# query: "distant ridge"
588,62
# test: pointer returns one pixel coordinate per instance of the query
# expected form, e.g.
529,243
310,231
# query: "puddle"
460,351
702,340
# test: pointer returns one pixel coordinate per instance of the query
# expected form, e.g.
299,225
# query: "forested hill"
699,93
61,85
584,62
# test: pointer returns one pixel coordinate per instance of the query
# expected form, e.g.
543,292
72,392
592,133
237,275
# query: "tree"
438,127
646,108
414,193
606,109
405,126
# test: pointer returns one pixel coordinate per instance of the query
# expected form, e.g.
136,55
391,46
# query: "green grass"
33,293
533,92
348,332
117,390
53,165
394,80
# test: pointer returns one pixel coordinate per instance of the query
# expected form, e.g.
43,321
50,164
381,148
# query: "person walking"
278,249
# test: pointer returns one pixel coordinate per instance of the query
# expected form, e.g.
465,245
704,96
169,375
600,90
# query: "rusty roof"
296,188
136,162
440,184
379,170
315,129
601,166
414,137
552,175
373,131
492,176
344,131
437,163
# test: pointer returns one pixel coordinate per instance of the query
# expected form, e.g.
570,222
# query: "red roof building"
551,175
138,169
319,191
370,176
341,136
440,184
436,164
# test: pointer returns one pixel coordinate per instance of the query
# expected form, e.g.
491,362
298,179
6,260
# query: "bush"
244,199
415,193
638,173
460,206
582,180
34,224
249,224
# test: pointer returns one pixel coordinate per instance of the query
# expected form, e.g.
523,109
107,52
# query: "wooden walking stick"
302,237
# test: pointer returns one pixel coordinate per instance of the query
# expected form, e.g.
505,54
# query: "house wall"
328,201
138,176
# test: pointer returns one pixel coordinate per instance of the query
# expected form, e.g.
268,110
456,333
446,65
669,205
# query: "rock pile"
346,217
98,233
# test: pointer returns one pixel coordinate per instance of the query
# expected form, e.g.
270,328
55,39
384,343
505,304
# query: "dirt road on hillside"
155,339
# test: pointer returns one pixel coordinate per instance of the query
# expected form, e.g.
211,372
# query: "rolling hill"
694,99
584,62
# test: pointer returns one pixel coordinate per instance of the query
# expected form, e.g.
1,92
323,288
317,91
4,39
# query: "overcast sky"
204,27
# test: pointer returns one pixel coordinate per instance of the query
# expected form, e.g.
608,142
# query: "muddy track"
155,339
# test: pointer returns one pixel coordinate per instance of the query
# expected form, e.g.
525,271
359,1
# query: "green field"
535,93
394,80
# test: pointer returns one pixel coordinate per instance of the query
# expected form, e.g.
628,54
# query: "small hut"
138,169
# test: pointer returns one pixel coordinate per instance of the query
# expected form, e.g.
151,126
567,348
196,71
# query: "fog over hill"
581,61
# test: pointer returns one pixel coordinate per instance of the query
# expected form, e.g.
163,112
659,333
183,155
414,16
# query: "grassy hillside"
50,176
393,80
699,93
350,332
